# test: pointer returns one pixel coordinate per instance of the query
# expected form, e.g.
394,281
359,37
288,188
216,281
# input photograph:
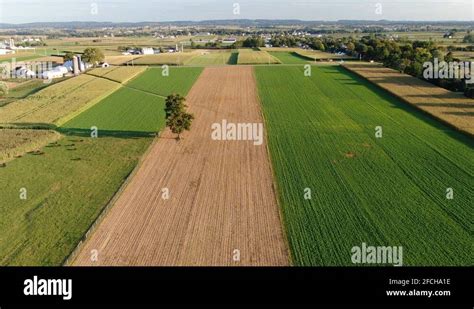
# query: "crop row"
388,191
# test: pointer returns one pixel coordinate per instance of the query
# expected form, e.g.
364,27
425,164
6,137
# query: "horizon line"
241,19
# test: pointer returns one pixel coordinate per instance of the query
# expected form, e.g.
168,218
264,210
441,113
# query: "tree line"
402,55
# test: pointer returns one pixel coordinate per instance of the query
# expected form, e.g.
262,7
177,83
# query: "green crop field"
166,58
212,58
56,103
290,57
180,80
128,111
67,186
249,56
388,191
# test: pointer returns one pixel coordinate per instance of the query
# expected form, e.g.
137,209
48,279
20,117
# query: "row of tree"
90,55
402,55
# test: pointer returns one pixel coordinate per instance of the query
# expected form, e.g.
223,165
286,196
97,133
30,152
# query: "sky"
26,11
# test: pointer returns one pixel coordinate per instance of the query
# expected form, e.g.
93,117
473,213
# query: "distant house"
5,51
229,41
448,35
148,51
24,72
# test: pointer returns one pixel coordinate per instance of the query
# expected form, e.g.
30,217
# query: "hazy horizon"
122,11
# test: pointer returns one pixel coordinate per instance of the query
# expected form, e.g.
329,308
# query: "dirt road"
222,208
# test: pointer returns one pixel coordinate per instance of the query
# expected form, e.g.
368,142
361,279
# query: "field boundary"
61,121
274,179
400,98
103,213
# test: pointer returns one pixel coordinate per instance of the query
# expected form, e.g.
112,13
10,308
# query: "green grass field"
67,187
383,192
180,80
212,58
126,111
290,57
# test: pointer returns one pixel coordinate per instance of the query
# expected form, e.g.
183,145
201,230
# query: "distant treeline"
405,56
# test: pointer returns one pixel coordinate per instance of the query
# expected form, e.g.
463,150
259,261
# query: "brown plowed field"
221,192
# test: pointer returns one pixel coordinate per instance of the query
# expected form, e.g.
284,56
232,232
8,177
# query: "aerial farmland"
297,148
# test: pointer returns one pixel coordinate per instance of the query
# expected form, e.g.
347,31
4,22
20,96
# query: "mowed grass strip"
211,58
166,58
127,111
179,80
382,192
250,56
119,74
67,186
290,57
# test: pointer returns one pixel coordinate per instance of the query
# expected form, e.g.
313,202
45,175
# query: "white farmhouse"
229,41
57,72
148,51
4,51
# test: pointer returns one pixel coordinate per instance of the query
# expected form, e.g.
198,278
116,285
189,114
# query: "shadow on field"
105,133
465,114
29,126
453,105
234,58
446,129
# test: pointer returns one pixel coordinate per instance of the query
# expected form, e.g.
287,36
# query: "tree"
254,42
177,119
3,89
93,55
179,122
174,105
468,38
68,56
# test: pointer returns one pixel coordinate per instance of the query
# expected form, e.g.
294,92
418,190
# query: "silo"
75,65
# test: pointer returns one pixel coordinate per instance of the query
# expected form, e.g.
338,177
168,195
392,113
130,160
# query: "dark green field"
127,111
384,192
180,80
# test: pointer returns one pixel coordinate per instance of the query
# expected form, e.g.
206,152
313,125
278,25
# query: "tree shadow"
234,58
433,121
106,133
462,114
29,126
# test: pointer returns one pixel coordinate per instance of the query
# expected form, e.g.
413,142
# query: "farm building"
4,51
104,65
229,41
57,72
82,66
24,72
148,51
